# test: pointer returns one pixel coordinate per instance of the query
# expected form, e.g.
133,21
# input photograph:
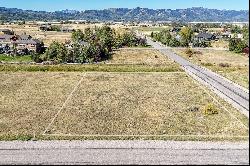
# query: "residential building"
21,42
205,37
6,32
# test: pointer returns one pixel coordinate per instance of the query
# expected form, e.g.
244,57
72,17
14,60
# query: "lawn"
233,66
5,58
165,106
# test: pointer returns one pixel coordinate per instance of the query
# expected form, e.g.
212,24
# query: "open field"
50,36
88,68
220,44
149,30
233,66
131,60
112,106
141,57
33,30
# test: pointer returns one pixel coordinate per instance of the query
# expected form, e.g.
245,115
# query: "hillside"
125,14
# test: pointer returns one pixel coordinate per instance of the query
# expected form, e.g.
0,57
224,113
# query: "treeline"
238,45
89,46
181,39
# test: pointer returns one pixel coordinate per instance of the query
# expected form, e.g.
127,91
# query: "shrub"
36,57
198,52
207,64
210,109
189,52
224,65
237,45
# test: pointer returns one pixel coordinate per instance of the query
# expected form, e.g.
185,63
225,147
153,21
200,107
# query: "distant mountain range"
125,14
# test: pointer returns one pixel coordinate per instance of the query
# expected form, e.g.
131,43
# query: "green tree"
57,52
236,45
245,31
186,34
77,35
236,29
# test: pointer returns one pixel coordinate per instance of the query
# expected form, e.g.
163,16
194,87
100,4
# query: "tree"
245,31
236,29
174,43
236,45
186,34
77,35
152,34
56,51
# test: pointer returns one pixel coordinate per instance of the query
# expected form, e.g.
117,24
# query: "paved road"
123,152
231,92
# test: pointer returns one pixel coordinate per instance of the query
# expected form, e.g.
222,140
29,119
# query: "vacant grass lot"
50,36
29,100
111,104
236,69
141,57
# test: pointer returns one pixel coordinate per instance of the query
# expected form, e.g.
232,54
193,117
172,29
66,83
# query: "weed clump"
210,109
224,65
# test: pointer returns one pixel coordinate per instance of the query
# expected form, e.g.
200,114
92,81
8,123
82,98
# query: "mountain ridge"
126,14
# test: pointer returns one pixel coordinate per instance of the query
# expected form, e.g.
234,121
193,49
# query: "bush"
210,109
189,52
224,65
236,45
36,57
207,64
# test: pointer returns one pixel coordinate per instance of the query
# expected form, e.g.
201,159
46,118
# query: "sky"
55,5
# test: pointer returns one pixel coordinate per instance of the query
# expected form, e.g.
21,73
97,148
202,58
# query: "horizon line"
120,8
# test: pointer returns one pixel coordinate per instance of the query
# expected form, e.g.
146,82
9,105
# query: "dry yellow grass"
109,103
141,56
50,36
220,44
33,30
142,104
29,100
238,70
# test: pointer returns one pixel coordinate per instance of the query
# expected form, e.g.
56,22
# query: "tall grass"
88,68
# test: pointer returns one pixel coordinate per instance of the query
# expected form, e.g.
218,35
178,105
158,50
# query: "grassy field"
50,36
131,60
231,65
138,94
149,30
89,68
220,44
141,57
5,58
112,106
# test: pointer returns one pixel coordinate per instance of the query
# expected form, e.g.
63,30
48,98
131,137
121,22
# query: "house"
6,32
24,37
205,37
176,29
226,35
31,45
6,39
45,27
21,42
65,29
